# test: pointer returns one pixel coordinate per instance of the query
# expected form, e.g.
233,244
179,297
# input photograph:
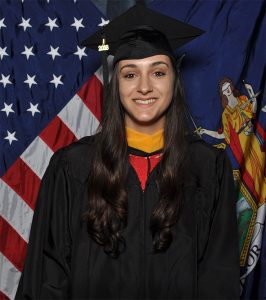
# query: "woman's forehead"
147,61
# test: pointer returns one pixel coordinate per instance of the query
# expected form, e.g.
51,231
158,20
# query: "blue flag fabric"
36,36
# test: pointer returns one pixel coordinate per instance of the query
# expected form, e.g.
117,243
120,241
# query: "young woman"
141,210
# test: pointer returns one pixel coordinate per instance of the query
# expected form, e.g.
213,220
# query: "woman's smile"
145,102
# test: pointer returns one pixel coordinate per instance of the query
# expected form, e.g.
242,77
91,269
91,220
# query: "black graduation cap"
136,19
138,33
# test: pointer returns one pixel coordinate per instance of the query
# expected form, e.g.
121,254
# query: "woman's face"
146,89
226,89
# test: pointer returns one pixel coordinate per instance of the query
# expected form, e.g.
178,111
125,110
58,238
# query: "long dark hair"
106,216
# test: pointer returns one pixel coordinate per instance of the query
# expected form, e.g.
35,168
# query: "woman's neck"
147,128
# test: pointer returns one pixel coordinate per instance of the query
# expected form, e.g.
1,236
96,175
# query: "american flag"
50,93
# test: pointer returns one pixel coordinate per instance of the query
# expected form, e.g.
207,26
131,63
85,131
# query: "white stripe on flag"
78,118
99,72
9,278
15,210
37,156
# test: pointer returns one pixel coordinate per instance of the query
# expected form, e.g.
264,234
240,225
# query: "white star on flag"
53,52
7,109
104,22
77,24
33,109
30,80
2,23
3,52
80,52
25,24
51,23
10,137
28,52
56,80
5,80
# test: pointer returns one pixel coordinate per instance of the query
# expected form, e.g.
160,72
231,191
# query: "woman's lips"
145,101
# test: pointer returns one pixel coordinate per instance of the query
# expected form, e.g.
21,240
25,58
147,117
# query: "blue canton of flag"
42,66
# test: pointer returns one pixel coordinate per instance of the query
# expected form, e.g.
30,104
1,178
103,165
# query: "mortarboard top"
176,32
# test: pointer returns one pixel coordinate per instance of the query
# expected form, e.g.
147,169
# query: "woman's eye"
159,74
129,75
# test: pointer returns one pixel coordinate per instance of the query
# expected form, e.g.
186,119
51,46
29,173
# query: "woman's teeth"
148,101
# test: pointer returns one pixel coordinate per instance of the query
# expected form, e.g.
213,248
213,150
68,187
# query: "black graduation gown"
202,261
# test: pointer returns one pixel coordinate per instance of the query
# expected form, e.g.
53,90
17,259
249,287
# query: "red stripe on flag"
236,146
249,183
57,134
12,245
260,130
238,153
23,181
3,296
91,94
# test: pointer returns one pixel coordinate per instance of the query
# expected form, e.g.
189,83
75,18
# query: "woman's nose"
145,85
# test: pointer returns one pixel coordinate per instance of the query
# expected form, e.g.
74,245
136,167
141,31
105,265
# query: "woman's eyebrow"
159,63
128,66
156,63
